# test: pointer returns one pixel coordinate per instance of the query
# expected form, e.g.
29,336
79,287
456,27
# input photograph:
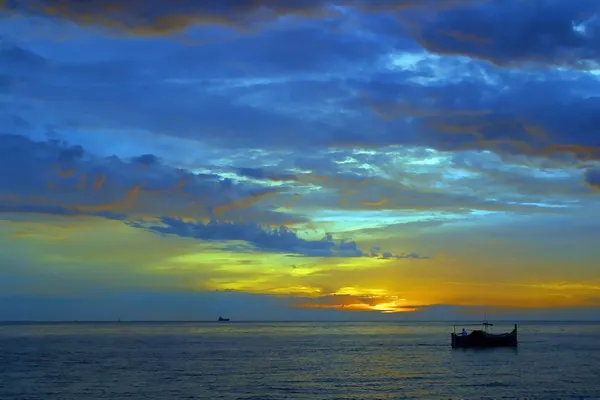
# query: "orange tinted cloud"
243,203
100,179
384,304
584,153
383,307
161,17
172,190
390,111
179,185
158,17
525,137
295,199
127,202
82,182
67,173
376,203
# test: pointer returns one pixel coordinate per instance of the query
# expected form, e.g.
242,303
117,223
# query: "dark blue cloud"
304,85
105,187
159,17
371,113
54,177
473,112
513,32
280,240
146,159
592,177
506,32
283,52
12,207
502,115
386,255
19,60
261,173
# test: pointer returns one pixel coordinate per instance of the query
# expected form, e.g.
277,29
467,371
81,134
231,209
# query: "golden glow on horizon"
385,308
365,202
108,252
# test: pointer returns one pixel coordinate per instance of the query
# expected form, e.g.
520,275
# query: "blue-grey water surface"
388,360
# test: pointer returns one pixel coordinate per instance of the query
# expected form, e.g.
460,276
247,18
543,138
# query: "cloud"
514,33
262,174
383,304
512,114
457,182
445,115
154,17
146,159
556,33
440,125
592,177
157,17
54,177
438,102
280,240
544,301
413,256
356,155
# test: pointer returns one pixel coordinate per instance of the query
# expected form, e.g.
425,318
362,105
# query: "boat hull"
482,339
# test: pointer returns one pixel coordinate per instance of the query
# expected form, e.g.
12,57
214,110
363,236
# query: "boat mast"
485,321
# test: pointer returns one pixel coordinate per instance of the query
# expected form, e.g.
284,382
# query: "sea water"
289,360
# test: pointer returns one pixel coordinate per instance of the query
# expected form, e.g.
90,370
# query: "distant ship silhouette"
221,319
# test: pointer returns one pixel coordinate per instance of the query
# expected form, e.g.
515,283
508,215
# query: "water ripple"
290,361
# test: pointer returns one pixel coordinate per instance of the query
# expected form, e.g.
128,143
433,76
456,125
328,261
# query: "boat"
221,319
482,338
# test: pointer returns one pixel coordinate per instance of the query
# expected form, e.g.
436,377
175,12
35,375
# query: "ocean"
292,360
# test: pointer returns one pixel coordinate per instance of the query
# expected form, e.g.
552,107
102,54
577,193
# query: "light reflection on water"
291,361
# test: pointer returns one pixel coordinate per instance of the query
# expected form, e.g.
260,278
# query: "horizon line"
466,321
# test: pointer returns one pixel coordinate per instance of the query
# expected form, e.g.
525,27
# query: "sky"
299,160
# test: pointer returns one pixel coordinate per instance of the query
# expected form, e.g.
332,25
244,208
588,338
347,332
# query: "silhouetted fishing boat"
482,338
223,319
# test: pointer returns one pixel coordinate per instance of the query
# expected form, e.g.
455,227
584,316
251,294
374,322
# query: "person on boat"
464,332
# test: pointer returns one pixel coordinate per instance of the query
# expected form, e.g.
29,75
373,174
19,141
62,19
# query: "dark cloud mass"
340,140
279,87
513,32
53,177
161,17
482,108
556,32
592,177
282,239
